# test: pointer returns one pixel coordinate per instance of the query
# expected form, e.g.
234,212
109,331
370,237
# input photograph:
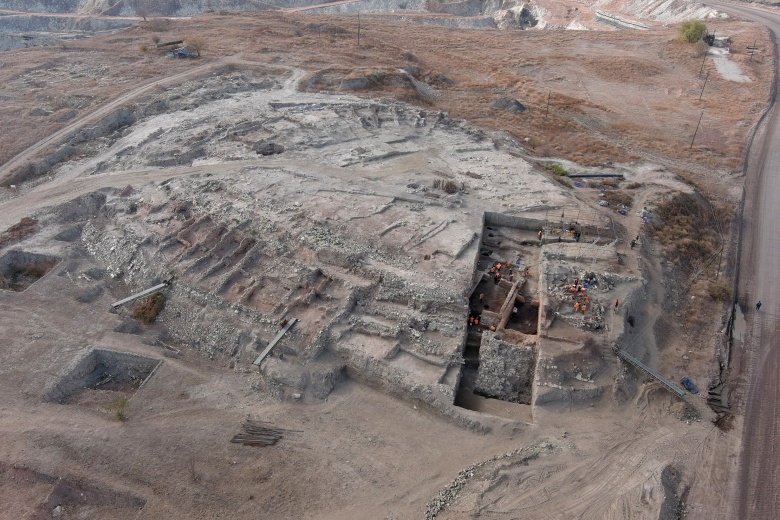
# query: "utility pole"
702,62
697,129
705,84
720,260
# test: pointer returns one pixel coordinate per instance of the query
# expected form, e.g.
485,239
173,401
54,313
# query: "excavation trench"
500,353
102,370
20,269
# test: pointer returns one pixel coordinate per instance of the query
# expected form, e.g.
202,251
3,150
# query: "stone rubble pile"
450,494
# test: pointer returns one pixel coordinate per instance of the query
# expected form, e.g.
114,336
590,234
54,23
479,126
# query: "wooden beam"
139,295
273,343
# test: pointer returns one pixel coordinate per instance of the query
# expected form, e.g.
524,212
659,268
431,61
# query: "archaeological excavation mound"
463,315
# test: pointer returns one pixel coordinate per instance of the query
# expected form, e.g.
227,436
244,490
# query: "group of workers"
496,273
474,322
572,231
579,294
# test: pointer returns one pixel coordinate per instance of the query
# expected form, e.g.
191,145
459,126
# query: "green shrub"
118,405
692,31
148,310
557,169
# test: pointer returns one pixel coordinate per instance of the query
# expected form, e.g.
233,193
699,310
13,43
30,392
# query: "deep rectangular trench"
102,369
20,269
497,297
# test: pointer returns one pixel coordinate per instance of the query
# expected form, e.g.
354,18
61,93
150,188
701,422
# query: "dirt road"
755,492
67,15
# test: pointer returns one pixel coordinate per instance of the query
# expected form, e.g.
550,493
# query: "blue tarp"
688,384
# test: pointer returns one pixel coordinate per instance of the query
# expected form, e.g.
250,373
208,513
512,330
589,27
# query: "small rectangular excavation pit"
20,269
107,371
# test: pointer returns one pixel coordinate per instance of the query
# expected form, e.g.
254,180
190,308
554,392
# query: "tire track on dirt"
608,485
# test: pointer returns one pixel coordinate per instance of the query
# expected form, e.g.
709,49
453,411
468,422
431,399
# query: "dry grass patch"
618,198
18,231
617,67
688,227
604,184
149,308
719,290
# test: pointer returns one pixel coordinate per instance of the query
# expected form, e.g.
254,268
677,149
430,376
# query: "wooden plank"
139,295
271,345
168,44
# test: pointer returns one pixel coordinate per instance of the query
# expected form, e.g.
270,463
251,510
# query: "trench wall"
500,219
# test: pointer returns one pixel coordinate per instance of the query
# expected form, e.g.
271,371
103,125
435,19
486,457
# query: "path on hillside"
318,6
755,492
57,137
400,13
